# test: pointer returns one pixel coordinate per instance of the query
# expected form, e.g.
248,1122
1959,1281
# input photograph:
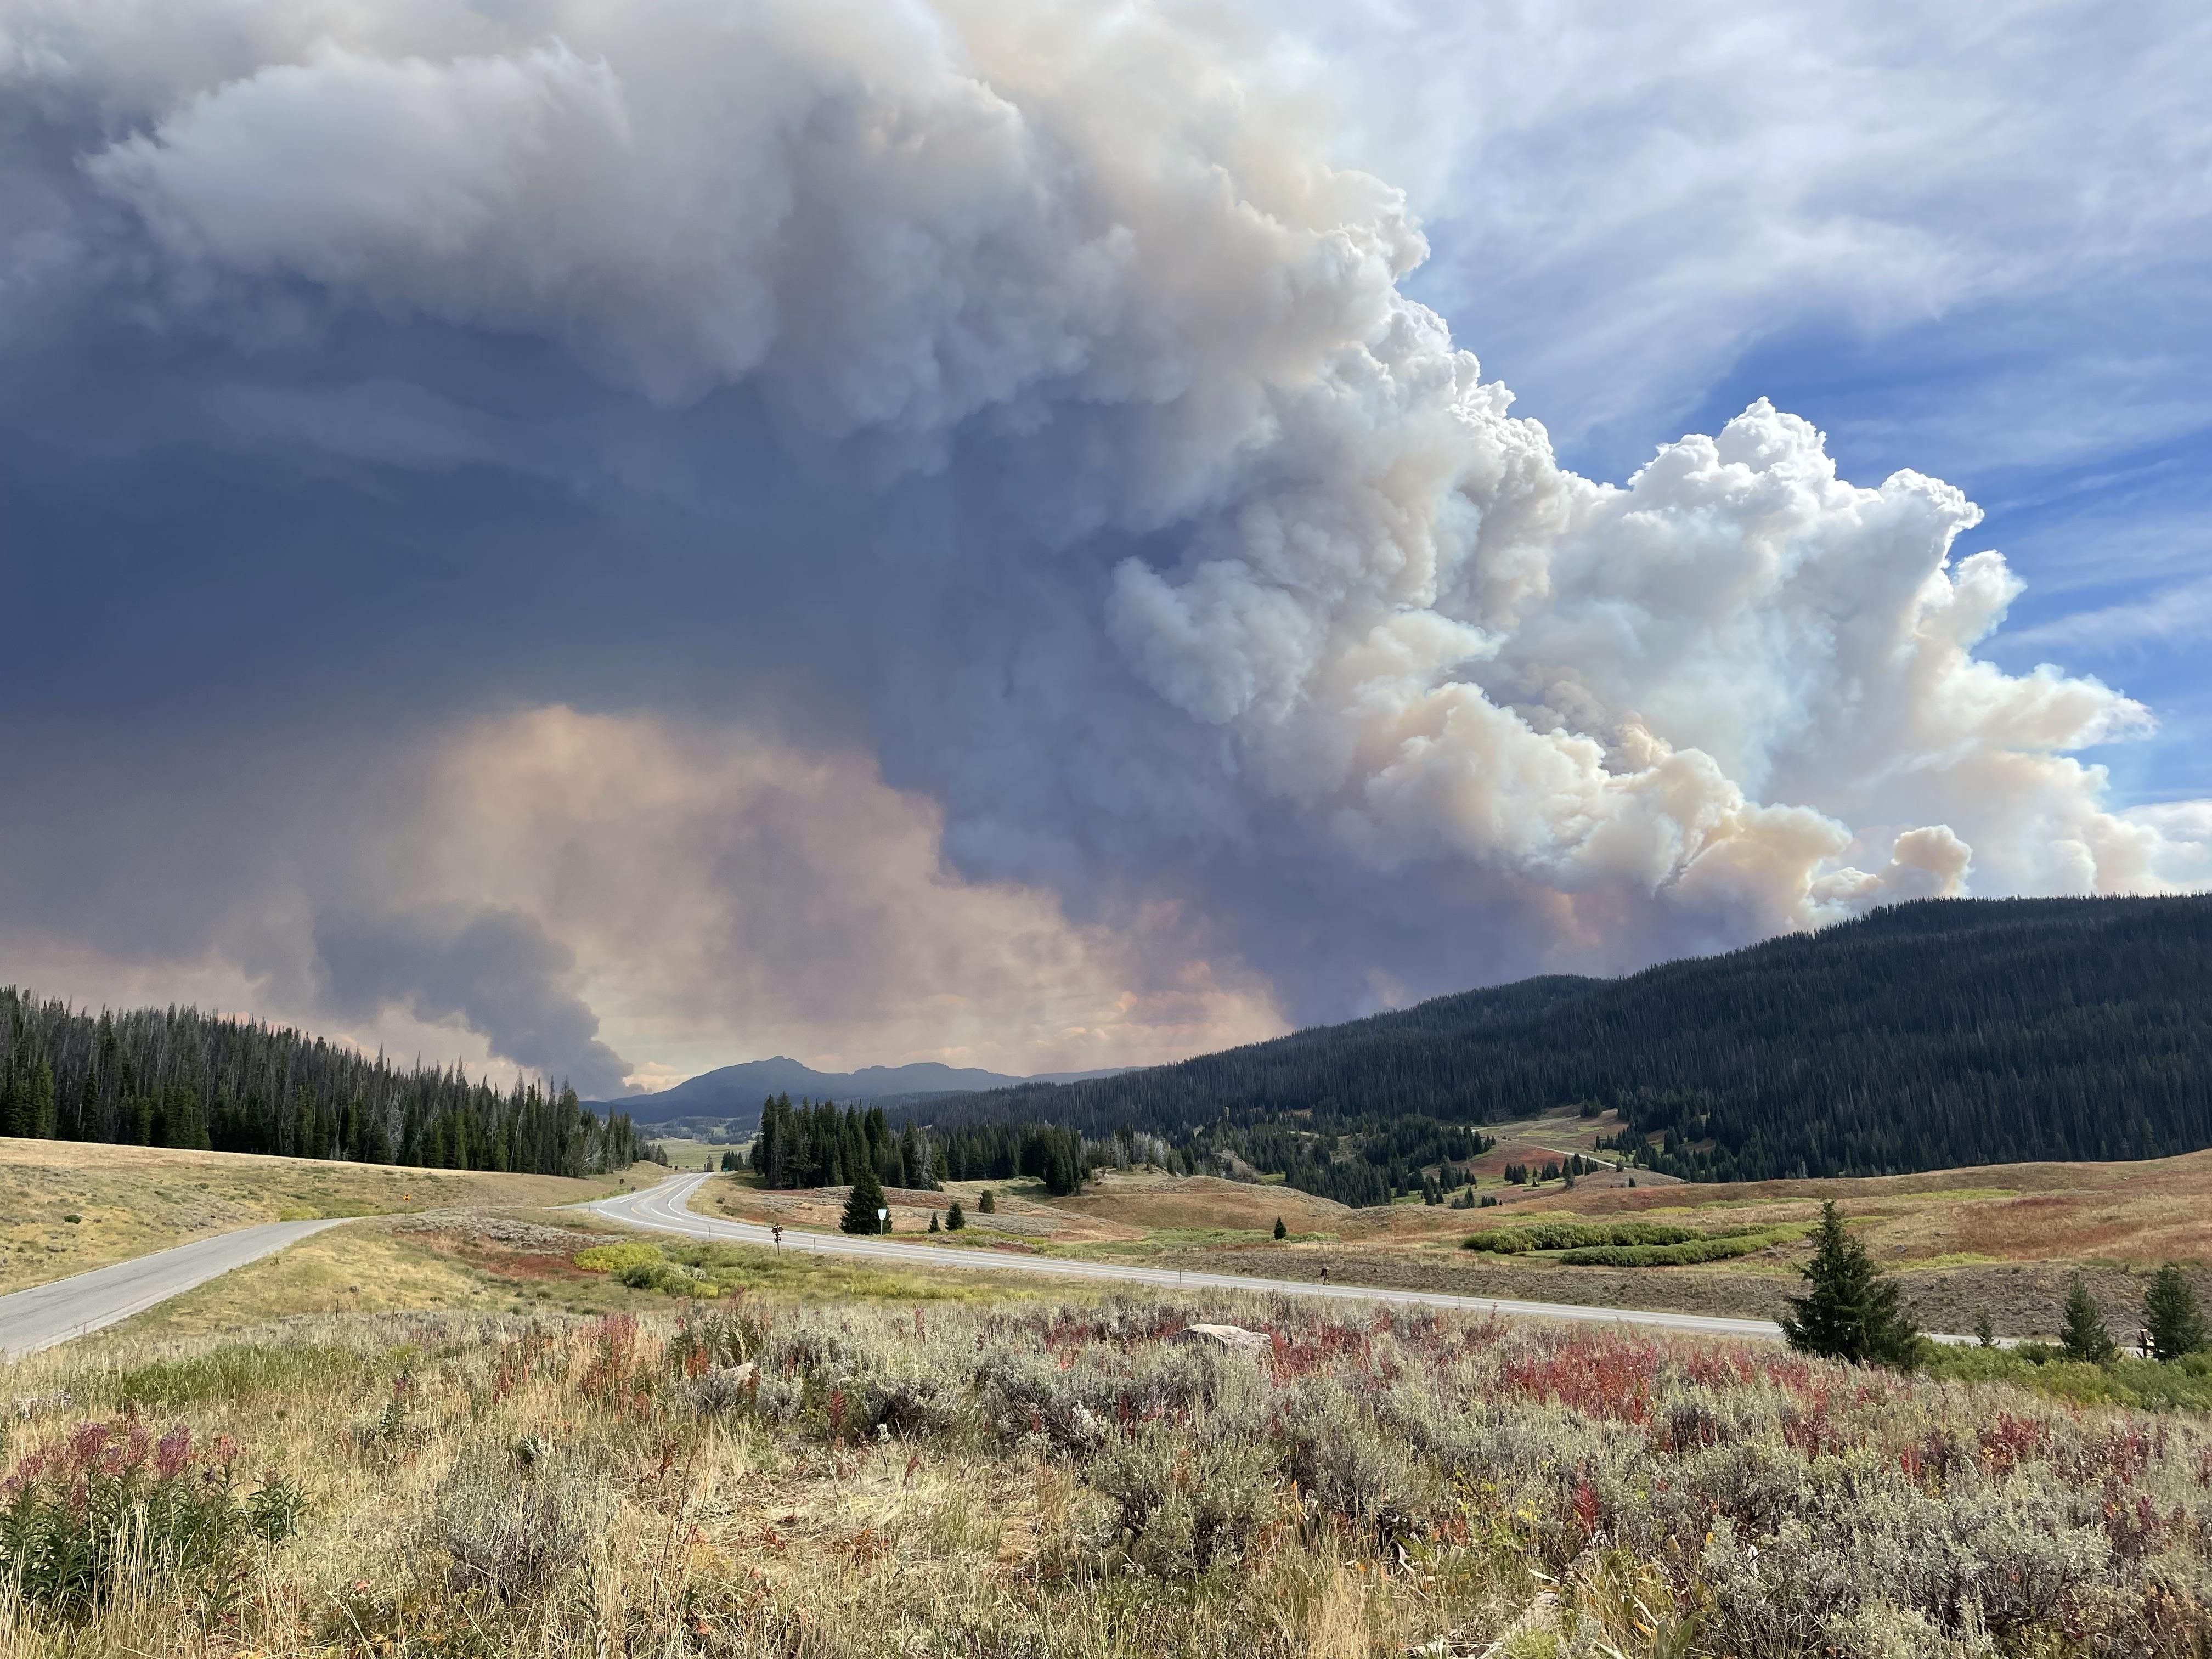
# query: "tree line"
178,1077
1939,1033
820,1143
815,1144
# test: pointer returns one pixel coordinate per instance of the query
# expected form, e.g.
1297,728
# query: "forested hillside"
179,1078
1942,1033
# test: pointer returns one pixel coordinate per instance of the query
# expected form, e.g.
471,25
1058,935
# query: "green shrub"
669,1278
1338,1455
1686,1254
1500,1241
618,1259
1580,1238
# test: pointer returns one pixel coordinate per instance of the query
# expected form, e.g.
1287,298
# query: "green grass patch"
1688,1254
1960,1194
1953,1259
1631,1243
2183,1385
231,1372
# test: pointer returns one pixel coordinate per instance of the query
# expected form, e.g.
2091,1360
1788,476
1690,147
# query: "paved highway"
48,1314
667,1208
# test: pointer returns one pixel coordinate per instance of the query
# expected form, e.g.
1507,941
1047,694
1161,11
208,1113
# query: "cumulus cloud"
1024,396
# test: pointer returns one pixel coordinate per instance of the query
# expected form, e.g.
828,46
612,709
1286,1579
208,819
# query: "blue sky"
1975,243
614,541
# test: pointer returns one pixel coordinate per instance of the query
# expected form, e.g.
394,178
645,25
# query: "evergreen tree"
867,1198
2083,1335
2171,1315
988,1203
1281,1232
932,1221
1849,1311
955,1217
1985,1328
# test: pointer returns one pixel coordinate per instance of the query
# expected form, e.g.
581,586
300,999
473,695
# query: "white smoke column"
1282,585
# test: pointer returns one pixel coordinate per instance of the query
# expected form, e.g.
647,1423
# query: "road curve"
48,1314
667,1208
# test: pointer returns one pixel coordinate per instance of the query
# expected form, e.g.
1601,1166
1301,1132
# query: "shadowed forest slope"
1926,1035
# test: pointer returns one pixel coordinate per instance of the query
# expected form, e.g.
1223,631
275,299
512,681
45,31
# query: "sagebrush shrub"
1184,1500
515,1525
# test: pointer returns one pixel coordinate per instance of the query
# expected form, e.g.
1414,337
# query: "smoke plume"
1023,399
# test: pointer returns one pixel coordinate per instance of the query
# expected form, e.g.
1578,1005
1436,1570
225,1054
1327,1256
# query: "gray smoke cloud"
1052,391
491,970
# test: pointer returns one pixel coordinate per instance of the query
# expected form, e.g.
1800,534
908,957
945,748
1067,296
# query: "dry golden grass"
1144,1199
131,1201
522,1263
871,1493
724,1540
1117,1207
2140,1214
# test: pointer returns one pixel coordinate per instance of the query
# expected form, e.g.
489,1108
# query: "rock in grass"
724,1388
1224,1336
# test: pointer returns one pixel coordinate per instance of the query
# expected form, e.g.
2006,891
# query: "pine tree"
1849,1311
932,1221
1281,1232
955,1217
1985,1328
2171,1315
867,1198
2083,1335
989,1204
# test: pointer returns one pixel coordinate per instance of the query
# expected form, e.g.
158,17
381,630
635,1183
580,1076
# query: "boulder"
1225,1336
724,1388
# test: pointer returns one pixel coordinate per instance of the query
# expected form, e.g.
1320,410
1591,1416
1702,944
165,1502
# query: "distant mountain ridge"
736,1092
1940,1034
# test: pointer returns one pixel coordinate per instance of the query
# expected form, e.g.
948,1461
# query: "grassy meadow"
499,1432
819,1465
2004,1240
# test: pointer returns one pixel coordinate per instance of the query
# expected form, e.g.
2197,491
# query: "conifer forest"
177,1077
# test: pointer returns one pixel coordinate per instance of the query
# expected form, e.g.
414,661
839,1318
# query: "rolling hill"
1926,1035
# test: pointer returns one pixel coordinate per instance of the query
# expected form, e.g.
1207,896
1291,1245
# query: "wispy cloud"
2181,612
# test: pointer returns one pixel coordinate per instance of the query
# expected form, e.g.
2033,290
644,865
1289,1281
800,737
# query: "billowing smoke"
493,971
1023,395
